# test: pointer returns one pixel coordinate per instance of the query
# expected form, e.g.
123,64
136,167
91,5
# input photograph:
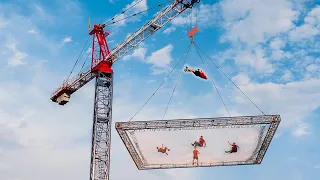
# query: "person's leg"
197,143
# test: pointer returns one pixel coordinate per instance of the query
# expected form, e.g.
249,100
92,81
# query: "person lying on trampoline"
163,149
198,72
234,148
201,143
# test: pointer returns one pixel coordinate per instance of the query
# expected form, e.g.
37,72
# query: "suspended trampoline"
198,142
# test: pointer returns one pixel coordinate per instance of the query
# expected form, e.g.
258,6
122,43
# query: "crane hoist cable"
229,78
174,88
212,82
165,79
113,22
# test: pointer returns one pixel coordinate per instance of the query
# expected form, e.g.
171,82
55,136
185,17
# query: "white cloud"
253,22
141,6
241,79
169,30
310,27
204,15
287,75
67,39
138,53
161,59
282,99
301,130
18,57
277,43
313,68
31,31
255,58
3,22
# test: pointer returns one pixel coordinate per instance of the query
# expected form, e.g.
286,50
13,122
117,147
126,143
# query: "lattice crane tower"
101,69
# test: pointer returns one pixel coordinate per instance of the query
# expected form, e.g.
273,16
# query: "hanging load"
197,72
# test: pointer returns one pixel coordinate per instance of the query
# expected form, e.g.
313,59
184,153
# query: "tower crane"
101,70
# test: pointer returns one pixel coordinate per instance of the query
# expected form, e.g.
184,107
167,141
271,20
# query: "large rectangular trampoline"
252,134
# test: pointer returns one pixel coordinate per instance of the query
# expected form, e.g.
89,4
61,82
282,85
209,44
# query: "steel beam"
101,130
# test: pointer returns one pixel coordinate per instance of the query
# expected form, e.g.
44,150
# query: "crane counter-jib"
70,83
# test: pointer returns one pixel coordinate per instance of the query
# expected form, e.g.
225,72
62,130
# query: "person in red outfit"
234,148
200,143
198,72
163,149
195,156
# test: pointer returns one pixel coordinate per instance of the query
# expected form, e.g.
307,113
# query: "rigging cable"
230,79
175,86
124,11
80,55
138,13
214,85
165,79
84,62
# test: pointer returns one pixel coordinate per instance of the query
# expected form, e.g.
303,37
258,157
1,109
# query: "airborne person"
201,143
163,149
234,148
198,72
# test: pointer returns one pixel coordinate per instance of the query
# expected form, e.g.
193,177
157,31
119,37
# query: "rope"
175,85
231,80
138,13
124,11
165,79
84,62
80,55
214,85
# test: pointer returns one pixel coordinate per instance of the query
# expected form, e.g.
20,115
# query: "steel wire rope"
165,79
123,11
84,63
175,85
230,79
138,13
214,85
80,55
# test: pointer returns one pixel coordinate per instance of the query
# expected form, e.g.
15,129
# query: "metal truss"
74,84
124,128
101,133
161,19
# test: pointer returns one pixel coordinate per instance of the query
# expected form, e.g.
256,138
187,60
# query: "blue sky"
270,48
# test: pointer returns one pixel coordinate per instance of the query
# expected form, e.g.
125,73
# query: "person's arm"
229,143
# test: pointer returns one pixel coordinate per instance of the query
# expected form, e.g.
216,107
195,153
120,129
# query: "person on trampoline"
234,148
195,156
200,143
163,149
198,72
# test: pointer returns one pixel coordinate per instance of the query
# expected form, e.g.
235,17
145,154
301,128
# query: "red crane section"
103,58
100,62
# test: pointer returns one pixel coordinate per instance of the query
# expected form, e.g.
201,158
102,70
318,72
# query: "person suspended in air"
197,72
195,156
200,143
163,149
234,148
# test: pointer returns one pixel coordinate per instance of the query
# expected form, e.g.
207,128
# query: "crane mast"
102,61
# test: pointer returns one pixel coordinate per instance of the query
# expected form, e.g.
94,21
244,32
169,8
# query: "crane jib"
101,53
